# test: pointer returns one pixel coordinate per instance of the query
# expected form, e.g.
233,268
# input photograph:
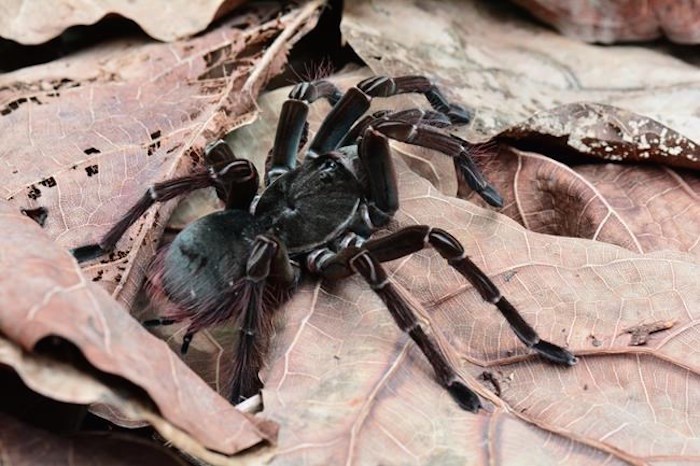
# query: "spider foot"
186,340
87,252
464,397
555,353
476,180
459,115
490,195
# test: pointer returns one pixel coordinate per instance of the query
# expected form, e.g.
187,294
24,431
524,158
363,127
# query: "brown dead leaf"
24,445
511,70
45,294
620,20
89,133
604,132
488,57
348,388
27,21
641,208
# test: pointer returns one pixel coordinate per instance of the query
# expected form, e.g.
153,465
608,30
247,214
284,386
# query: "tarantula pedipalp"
316,217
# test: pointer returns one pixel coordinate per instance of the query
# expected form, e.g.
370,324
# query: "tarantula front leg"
375,154
236,181
292,127
414,238
361,261
356,102
412,115
377,146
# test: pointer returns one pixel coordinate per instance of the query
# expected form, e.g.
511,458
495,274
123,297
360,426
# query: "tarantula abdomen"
207,256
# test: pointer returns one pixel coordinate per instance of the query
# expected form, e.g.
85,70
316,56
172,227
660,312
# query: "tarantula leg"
239,178
355,133
413,115
356,102
414,238
268,263
292,127
237,183
375,155
354,260
458,149
382,86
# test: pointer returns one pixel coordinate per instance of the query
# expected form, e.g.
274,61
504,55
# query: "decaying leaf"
45,294
86,135
603,132
27,21
641,208
507,69
620,20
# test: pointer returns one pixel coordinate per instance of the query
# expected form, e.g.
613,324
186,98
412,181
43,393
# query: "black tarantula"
316,217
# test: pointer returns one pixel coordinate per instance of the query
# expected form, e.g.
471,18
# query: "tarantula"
316,217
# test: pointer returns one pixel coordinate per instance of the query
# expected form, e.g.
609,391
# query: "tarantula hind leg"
414,238
361,261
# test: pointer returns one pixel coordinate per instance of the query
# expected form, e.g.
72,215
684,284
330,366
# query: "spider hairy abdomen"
208,257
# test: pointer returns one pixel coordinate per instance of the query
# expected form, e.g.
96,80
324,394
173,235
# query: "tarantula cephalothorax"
315,217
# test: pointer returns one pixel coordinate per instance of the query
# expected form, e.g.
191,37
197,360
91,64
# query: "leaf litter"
347,387
86,135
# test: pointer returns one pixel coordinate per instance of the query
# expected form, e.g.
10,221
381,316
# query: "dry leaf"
511,70
604,132
348,388
45,294
27,21
620,20
88,134
506,68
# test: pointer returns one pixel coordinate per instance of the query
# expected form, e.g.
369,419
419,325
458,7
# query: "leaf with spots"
88,134
557,101
347,387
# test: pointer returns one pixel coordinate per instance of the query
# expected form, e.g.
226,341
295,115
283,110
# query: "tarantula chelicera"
316,217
